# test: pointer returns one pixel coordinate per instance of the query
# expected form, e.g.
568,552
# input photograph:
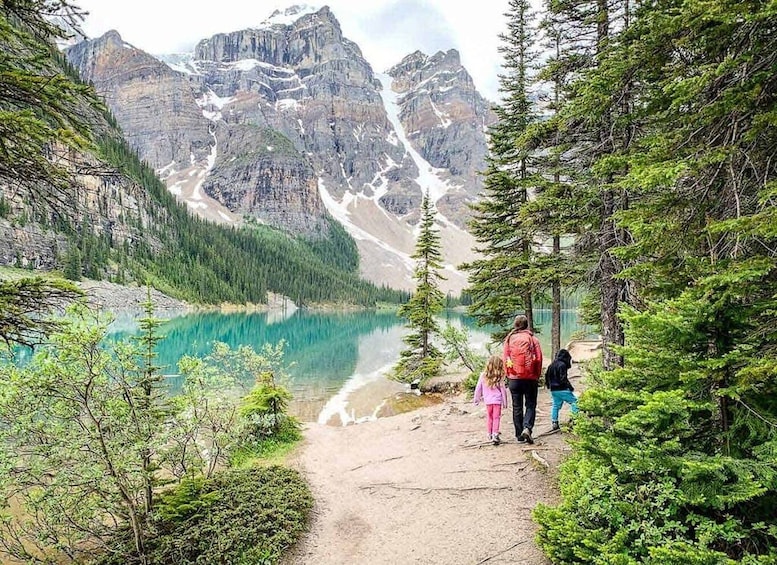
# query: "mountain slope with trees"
74,196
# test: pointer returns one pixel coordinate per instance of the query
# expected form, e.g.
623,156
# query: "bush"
239,516
265,447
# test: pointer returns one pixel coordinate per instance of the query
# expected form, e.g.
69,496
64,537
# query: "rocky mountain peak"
111,37
304,38
419,67
290,125
291,14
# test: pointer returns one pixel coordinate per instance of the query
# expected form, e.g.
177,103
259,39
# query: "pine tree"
554,209
40,113
677,451
586,136
503,282
422,359
73,264
150,397
43,112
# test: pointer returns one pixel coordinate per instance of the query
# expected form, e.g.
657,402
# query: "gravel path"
425,488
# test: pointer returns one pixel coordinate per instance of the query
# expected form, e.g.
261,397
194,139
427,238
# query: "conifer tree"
503,281
676,458
43,112
40,111
585,135
554,209
422,359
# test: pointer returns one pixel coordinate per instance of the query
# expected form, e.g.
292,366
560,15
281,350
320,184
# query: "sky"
385,30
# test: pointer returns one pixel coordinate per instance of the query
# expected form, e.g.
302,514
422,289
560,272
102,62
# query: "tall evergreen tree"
553,207
581,141
503,281
43,112
40,113
422,359
677,456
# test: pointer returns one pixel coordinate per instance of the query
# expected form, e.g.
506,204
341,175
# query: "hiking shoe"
554,426
520,439
526,435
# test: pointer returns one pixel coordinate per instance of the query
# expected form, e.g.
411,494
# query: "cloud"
405,26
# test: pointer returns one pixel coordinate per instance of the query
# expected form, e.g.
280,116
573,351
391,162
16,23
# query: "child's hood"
564,356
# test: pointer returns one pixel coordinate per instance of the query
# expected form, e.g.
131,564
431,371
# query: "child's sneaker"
497,439
554,426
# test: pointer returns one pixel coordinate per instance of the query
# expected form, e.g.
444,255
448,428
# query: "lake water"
338,361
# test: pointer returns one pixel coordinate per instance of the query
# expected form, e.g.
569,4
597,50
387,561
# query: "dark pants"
520,390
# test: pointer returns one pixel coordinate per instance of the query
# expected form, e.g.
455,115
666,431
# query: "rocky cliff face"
287,122
101,201
154,105
447,120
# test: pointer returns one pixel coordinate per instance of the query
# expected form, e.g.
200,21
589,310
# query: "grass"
407,402
272,450
14,273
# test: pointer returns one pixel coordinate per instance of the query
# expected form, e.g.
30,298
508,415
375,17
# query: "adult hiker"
523,363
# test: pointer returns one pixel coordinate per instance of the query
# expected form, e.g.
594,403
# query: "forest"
635,158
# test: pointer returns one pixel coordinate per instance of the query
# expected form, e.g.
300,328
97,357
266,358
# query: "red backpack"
521,356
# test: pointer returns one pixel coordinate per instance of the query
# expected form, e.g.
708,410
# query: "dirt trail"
425,488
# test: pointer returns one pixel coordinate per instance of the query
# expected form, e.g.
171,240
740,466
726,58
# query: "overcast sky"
385,30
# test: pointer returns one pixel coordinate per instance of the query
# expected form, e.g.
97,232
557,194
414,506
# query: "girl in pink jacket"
491,390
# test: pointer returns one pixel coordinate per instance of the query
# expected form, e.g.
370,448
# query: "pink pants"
493,415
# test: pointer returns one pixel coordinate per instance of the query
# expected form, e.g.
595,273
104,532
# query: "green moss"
407,402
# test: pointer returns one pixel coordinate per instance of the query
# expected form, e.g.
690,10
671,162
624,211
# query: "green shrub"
239,516
253,447
264,407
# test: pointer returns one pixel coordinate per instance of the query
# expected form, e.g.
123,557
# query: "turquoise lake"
337,361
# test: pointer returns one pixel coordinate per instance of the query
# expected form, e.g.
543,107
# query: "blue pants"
559,398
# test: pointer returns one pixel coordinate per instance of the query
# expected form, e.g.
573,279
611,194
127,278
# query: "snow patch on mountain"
429,178
288,16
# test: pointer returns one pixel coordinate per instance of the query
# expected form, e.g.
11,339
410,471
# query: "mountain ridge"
349,154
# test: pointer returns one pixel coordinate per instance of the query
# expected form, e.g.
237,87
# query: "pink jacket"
490,395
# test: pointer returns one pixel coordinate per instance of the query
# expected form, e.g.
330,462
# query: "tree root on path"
521,468
430,489
376,462
482,444
487,559
548,433
540,459
488,470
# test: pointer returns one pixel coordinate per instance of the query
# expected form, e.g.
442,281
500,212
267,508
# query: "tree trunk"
612,288
555,324
609,267
528,306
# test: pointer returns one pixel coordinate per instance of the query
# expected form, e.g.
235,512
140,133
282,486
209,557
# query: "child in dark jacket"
557,380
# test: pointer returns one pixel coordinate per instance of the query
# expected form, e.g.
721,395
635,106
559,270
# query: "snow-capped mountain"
287,123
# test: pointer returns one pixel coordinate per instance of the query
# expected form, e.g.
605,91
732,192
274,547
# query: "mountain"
286,124
75,196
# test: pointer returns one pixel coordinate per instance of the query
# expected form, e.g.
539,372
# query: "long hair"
521,322
495,371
